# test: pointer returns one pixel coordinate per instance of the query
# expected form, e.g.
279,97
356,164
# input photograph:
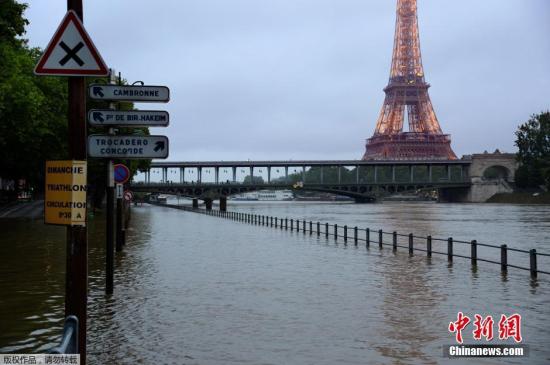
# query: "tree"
533,142
32,109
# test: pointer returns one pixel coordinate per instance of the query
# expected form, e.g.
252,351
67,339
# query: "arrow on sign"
98,117
159,146
98,91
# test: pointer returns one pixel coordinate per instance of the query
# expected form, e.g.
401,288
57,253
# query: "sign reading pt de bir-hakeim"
65,200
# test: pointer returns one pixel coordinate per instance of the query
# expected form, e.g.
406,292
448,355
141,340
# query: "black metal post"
473,253
429,246
380,238
345,234
394,235
503,258
533,263
411,248
450,249
119,224
76,273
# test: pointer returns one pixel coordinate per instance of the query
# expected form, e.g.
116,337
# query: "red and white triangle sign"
71,52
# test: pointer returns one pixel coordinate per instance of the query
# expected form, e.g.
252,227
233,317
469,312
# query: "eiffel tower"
407,98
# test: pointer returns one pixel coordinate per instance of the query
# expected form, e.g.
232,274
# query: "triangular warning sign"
71,52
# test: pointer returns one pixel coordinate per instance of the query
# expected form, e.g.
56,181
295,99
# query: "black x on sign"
71,52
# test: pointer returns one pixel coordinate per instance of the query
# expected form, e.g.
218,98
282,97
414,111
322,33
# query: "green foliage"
12,23
33,114
33,111
533,141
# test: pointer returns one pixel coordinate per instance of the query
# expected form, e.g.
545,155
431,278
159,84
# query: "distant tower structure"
407,97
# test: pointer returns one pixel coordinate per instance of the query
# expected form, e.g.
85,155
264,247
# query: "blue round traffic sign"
122,173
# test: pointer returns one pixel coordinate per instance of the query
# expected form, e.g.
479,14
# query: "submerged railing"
411,242
69,341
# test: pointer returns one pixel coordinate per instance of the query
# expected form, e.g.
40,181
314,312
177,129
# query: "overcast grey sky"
303,79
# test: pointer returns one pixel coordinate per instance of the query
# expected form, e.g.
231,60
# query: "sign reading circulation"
134,147
153,94
65,200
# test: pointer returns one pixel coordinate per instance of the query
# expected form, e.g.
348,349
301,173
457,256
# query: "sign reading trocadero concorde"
127,147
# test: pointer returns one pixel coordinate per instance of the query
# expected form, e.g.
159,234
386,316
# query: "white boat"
265,195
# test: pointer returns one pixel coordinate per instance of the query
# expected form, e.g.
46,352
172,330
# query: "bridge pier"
223,204
195,203
208,203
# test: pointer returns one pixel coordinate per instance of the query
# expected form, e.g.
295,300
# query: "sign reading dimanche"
154,94
65,200
133,147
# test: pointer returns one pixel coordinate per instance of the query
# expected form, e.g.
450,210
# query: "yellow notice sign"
65,201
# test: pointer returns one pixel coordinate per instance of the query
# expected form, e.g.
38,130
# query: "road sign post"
131,118
128,146
121,175
65,193
119,221
139,93
71,51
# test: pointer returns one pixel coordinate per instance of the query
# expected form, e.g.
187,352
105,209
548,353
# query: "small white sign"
154,94
132,118
127,147
119,191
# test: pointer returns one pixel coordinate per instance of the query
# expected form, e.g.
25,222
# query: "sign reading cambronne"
134,147
65,200
132,118
154,94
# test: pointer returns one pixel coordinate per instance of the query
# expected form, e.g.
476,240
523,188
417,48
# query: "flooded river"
196,289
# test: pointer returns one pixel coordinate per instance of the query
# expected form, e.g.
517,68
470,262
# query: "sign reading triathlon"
132,118
71,52
154,94
65,200
133,147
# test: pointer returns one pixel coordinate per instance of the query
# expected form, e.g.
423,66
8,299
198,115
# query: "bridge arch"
497,172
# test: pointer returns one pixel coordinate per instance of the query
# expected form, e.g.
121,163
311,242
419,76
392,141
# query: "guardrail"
69,341
382,238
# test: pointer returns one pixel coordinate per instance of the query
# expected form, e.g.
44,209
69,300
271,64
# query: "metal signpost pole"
109,230
110,223
119,222
76,275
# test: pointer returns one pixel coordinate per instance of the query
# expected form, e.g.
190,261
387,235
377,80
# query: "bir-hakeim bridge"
472,178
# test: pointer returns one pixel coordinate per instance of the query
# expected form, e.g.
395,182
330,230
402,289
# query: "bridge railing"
506,257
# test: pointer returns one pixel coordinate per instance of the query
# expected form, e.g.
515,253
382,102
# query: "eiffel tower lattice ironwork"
407,98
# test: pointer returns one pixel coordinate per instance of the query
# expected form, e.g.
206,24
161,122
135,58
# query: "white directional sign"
127,147
71,52
154,94
132,118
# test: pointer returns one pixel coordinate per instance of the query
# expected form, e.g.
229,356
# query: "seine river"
196,289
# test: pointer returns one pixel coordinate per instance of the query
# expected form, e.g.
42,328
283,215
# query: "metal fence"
449,247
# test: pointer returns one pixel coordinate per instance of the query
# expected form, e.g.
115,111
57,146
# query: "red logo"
459,325
508,327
